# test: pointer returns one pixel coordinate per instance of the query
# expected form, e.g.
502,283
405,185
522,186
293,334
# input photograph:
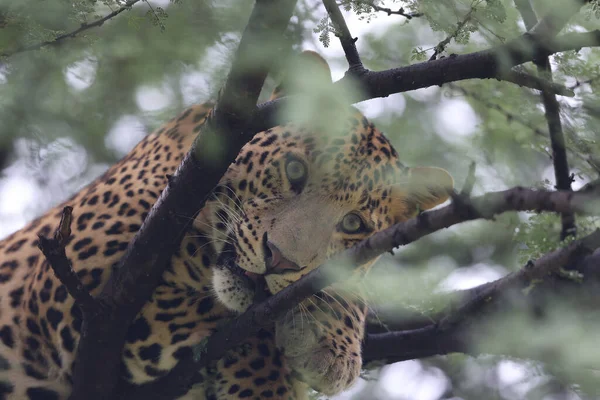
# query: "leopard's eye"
352,223
296,172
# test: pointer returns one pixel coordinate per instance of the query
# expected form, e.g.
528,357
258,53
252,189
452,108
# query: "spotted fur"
259,226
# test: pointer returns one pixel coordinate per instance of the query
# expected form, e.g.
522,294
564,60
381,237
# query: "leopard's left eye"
352,223
297,173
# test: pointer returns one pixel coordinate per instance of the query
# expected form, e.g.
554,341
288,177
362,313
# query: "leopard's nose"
275,262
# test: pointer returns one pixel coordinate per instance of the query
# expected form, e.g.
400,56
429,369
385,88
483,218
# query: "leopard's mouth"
255,282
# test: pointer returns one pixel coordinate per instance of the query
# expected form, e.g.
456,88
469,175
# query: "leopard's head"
294,197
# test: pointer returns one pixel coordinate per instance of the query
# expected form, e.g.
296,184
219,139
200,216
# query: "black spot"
281,390
267,394
16,296
166,317
16,246
245,393
38,393
83,218
348,322
54,317
32,372
257,364
205,305
33,343
154,371
32,260
151,352
179,337
243,373
268,141
60,295
138,331
67,339
233,389
115,229
5,388
33,327
260,381
84,255
229,361
6,334
274,375
173,303
81,243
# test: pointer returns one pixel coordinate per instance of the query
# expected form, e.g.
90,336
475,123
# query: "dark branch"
485,64
552,114
450,332
82,28
142,266
54,251
343,33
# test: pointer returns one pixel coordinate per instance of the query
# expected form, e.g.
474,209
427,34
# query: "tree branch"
267,312
485,64
387,10
552,114
535,82
136,277
450,333
82,28
54,251
355,65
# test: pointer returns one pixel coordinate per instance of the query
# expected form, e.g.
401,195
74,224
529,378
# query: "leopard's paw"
327,359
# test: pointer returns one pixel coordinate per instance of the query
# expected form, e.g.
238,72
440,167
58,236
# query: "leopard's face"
292,200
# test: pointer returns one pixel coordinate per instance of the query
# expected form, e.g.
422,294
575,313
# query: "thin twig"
355,65
54,251
535,82
386,10
82,28
441,46
469,181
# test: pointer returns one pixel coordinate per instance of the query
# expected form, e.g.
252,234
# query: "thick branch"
138,274
83,27
485,64
552,113
450,332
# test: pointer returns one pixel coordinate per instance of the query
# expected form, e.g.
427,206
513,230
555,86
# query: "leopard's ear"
422,189
309,63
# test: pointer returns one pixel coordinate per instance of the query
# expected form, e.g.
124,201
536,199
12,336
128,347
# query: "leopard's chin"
237,288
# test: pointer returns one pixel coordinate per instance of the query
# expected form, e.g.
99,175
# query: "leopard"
293,198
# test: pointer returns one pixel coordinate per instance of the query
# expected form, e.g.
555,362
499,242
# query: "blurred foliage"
70,109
